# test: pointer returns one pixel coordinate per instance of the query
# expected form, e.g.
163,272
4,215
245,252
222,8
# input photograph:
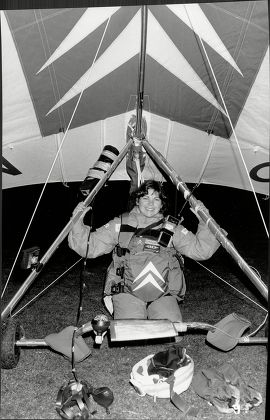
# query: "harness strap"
127,228
151,234
140,231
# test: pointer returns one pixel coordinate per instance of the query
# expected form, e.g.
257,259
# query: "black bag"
166,362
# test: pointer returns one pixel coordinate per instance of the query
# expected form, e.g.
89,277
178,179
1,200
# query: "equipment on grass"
103,396
226,390
62,343
227,332
74,399
164,375
100,325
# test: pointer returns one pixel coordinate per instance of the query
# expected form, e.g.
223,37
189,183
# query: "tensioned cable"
243,294
56,91
229,13
46,288
54,82
237,337
198,183
228,284
232,127
259,327
208,155
237,50
56,157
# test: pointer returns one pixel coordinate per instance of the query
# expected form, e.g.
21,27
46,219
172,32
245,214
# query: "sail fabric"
73,74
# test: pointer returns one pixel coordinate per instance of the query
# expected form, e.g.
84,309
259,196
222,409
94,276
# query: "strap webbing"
140,231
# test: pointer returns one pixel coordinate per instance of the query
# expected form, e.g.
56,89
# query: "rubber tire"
10,353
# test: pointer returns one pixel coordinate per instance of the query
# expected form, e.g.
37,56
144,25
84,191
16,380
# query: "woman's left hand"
199,206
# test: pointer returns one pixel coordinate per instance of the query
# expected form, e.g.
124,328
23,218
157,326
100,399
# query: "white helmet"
157,385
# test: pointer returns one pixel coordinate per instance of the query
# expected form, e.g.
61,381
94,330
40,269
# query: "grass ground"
29,390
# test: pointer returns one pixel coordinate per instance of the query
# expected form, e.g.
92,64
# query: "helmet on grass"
73,401
151,375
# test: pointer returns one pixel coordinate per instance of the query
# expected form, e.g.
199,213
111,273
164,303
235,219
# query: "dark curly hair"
143,190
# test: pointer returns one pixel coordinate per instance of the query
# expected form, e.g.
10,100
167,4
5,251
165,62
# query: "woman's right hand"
81,208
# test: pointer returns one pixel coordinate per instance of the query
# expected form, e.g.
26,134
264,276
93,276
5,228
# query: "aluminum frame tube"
212,225
32,276
141,77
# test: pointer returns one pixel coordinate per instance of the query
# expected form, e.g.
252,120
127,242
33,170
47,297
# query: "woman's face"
150,204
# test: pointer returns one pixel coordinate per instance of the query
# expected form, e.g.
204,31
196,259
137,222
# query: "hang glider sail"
72,74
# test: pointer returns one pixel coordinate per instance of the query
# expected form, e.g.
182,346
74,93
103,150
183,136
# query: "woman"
145,279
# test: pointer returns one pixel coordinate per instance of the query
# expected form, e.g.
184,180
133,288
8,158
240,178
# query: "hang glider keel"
141,76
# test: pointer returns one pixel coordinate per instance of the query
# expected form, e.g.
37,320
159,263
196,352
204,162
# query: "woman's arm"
199,246
102,241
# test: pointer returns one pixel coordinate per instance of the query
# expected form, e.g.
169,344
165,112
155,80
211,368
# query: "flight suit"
199,246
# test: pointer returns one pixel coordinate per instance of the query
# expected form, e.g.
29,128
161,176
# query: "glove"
201,206
81,207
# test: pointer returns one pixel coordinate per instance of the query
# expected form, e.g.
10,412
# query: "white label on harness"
184,231
151,245
117,227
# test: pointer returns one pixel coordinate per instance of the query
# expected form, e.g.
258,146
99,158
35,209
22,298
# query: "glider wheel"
10,353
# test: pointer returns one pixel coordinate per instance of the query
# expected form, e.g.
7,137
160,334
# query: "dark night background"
234,210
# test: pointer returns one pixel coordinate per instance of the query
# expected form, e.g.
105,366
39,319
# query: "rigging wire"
247,297
228,284
208,155
53,78
259,327
186,201
198,183
223,332
47,287
236,54
232,127
238,17
56,156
